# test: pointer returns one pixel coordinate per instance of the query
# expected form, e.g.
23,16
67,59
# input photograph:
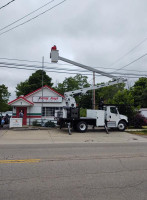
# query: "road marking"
19,161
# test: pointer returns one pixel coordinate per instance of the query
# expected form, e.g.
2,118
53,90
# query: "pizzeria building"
39,105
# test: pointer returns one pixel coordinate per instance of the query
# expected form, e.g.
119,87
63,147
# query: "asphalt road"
73,171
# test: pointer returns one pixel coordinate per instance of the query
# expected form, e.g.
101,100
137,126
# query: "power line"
33,18
128,52
57,68
31,61
26,15
130,63
5,66
39,66
61,70
7,4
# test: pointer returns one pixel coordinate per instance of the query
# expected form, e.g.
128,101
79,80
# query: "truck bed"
88,120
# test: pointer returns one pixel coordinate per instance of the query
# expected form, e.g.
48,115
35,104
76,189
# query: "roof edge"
45,86
23,98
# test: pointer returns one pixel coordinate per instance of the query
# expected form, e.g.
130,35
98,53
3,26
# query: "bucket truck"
109,117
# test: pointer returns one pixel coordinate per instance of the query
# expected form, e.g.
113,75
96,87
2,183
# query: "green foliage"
4,97
139,92
75,83
125,102
122,97
36,123
49,124
107,93
34,82
85,100
144,98
72,83
83,112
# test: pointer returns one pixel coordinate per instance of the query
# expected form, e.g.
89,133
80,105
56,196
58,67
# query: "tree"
75,83
139,92
125,102
122,97
144,98
107,93
4,97
34,82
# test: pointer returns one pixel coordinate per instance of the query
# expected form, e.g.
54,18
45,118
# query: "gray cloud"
92,32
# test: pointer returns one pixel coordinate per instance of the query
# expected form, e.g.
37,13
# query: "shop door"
24,110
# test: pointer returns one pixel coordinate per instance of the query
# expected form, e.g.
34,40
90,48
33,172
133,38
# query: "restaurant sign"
47,99
15,122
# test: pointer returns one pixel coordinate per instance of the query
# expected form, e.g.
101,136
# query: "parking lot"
55,135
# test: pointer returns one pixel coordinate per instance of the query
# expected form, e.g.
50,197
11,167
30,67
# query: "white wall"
37,107
144,113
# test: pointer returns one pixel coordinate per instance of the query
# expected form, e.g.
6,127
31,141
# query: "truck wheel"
122,126
82,127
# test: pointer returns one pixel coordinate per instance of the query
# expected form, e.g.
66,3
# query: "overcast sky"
92,32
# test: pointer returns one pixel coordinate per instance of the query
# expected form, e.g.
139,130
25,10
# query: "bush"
36,123
49,124
83,112
138,121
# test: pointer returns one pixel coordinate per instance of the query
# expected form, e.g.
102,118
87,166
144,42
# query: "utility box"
99,115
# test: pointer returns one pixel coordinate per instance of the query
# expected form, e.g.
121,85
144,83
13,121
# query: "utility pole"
42,90
93,91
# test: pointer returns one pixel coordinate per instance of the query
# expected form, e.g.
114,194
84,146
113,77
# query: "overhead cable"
140,43
56,68
33,61
131,62
33,17
61,70
26,15
7,4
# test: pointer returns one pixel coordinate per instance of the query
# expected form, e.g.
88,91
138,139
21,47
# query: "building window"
49,111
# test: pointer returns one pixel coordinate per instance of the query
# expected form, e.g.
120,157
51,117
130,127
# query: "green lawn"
142,132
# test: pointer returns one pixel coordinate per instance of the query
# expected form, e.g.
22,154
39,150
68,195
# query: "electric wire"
33,17
38,66
31,61
4,66
131,62
6,4
26,15
140,43
57,68
60,71
50,63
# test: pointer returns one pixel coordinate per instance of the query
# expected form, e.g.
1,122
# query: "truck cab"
114,119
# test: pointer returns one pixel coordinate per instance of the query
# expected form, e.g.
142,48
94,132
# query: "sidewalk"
55,135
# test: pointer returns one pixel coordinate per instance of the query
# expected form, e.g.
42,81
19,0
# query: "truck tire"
82,127
122,126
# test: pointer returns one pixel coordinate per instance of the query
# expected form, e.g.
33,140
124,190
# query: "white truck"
109,117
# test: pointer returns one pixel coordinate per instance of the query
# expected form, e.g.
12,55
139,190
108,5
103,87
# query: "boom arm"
55,57
69,95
